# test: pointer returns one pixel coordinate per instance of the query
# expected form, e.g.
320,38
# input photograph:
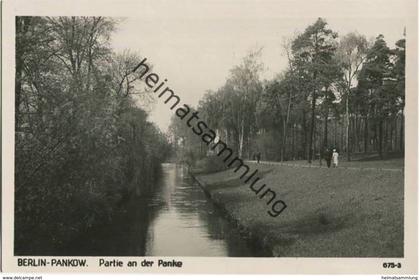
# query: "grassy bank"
331,212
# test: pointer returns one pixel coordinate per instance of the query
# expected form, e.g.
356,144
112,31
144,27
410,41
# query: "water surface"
175,218
186,222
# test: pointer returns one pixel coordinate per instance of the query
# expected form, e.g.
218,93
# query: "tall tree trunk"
356,134
386,137
335,132
326,129
293,141
402,132
380,136
241,138
366,134
304,136
311,136
320,145
394,134
283,141
342,133
285,127
347,127
248,145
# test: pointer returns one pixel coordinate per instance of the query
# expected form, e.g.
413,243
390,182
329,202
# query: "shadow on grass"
309,225
318,223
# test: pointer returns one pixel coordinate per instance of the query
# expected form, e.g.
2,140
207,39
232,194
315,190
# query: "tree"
81,149
398,72
187,145
241,93
373,78
313,52
351,54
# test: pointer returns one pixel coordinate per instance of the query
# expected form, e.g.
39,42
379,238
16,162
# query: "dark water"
186,223
176,219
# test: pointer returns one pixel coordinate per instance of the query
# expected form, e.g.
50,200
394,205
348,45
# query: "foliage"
342,92
82,146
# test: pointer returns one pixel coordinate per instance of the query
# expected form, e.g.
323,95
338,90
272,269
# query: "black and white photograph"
244,129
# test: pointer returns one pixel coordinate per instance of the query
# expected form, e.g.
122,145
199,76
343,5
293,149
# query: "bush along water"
82,146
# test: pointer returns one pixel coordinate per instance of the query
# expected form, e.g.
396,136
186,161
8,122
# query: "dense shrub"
82,146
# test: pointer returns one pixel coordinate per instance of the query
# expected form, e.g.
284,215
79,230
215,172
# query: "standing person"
328,156
258,157
335,158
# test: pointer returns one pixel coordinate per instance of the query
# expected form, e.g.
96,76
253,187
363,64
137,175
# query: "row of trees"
82,146
342,92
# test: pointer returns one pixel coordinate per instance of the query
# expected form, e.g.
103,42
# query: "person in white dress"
335,158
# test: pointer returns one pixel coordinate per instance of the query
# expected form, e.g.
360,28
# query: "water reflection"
174,219
188,223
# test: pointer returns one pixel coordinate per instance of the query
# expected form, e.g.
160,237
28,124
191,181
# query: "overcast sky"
195,44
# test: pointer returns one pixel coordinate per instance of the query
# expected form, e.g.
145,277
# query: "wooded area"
82,146
342,92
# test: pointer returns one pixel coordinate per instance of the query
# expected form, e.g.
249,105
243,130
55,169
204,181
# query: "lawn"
379,164
330,212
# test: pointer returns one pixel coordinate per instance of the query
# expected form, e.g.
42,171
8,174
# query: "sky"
194,44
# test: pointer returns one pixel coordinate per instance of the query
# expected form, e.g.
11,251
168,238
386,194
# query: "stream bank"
330,212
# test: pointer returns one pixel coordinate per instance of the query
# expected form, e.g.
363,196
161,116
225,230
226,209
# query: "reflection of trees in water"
190,199
220,228
126,235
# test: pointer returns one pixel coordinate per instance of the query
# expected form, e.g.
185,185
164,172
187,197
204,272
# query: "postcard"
275,137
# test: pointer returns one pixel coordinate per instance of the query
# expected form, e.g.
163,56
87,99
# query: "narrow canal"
186,223
176,219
